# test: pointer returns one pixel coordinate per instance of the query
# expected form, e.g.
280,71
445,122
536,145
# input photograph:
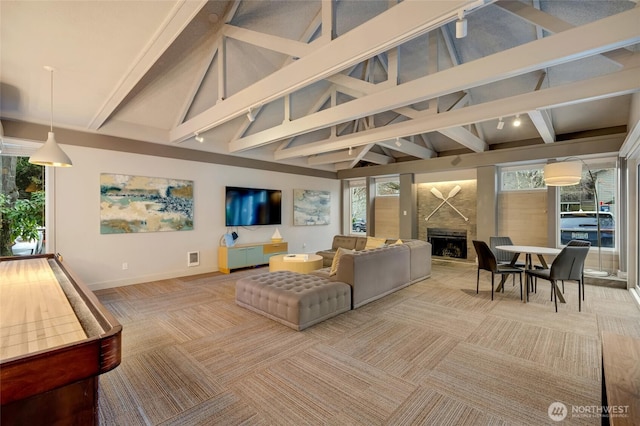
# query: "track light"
500,124
516,121
461,26
251,116
350,150
398,143
199,138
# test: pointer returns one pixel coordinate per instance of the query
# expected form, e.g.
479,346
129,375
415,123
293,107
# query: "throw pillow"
398,242
373,242
336,260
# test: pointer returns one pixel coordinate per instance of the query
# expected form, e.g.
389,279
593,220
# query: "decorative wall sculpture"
144,204
311,207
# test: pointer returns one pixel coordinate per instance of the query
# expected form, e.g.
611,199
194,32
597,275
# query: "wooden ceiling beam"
409,148
375,36
552,24
581,42
289,47
181,15
611,85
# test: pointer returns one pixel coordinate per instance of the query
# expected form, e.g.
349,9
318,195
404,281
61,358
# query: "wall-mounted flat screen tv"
252,206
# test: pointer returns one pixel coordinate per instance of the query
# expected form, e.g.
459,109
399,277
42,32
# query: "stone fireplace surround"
446,218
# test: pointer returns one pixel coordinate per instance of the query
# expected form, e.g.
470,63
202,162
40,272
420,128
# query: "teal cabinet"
242,256
254,256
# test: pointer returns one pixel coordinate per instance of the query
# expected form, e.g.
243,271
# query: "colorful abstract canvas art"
311,207
144,204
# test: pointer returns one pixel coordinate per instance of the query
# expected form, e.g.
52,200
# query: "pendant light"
50,154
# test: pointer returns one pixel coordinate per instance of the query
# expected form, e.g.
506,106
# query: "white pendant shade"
50,154
563,173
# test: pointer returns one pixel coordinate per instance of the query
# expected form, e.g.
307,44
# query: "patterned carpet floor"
434,353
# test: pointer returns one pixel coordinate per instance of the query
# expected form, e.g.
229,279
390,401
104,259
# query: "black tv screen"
252,206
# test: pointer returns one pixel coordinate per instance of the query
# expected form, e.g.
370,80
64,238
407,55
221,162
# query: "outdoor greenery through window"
522,178
22,206
387,186
358,206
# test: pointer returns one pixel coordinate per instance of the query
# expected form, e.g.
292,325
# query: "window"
522,178
578,205
358,206
387,186
22,201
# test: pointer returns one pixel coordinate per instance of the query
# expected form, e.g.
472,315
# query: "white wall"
97,259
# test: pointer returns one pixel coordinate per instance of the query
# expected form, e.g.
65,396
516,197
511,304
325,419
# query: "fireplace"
448,242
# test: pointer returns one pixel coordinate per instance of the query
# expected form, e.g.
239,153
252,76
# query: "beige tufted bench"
295,300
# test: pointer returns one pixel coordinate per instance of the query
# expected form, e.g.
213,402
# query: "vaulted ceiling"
330,85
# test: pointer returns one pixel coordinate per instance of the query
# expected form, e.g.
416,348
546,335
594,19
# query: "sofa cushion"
373,242
361,242
344,242
336,260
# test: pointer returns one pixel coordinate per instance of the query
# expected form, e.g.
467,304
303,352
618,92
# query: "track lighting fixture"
500,124
516,121
251,116
50,154
461,26
398,143
199,138
350,151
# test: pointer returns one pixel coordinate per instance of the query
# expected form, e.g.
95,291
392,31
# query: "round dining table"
529,251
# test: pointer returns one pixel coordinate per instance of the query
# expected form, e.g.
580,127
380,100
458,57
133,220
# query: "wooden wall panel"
523,217
387,224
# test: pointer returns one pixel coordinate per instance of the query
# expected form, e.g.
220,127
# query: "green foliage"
358,203
24,216
29,177
388,188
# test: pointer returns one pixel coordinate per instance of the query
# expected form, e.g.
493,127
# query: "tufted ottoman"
293,299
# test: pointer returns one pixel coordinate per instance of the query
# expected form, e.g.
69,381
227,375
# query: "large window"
358,206
579,214
22,201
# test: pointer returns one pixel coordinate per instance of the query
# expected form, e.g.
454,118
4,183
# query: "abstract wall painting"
144,204
311,207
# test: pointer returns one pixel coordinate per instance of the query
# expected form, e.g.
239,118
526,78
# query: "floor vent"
193,258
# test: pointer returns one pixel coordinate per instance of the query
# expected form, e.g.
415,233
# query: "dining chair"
487,261
503,257
567,266
578,243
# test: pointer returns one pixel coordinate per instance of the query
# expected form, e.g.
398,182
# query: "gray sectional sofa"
361,276
376,272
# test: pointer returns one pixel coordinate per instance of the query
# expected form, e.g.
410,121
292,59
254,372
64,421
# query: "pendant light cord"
51,73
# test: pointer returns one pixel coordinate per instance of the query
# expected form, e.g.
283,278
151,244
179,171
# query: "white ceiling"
393,82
